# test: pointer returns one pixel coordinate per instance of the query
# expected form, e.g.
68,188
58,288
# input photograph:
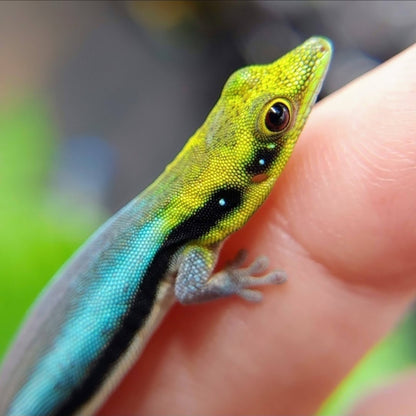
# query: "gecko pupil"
278,117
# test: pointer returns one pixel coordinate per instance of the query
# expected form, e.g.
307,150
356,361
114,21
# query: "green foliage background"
38,232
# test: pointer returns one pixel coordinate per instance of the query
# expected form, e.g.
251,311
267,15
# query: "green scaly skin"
91,323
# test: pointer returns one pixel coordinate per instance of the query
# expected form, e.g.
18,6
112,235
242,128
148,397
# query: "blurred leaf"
37,236
392,355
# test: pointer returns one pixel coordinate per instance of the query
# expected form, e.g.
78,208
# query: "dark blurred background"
97,97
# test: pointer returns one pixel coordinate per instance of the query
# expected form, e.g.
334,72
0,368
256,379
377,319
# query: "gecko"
91,323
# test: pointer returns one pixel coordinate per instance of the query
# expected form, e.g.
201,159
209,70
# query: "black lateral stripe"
221,203
262,159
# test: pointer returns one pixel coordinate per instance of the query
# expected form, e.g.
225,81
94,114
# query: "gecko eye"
277,117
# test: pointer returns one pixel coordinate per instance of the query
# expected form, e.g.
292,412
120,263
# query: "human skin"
341,221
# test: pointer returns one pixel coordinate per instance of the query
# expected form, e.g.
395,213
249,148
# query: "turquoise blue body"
88,307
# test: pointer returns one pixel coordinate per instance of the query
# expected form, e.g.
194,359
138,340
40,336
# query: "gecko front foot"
238,280
196,283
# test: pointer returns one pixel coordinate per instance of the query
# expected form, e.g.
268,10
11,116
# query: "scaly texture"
90,325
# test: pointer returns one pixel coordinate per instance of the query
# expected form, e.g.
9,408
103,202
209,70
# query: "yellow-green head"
233,160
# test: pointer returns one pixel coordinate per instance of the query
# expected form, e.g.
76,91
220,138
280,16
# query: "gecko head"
263,108
289,89
276,98
249,135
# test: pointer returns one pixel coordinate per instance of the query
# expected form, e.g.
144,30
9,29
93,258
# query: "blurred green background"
97,97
